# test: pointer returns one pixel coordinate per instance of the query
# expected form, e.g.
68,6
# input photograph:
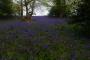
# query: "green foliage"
58,10
83,17
6,8
64,8
17,9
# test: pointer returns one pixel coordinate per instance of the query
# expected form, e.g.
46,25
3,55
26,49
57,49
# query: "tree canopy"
6,8
58,8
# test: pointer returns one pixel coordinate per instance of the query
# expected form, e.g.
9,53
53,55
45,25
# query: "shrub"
83,17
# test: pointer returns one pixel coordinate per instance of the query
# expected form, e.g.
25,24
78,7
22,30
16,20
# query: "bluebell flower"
45,46
87,46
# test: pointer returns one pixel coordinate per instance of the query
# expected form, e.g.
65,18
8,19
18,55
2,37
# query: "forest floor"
42,39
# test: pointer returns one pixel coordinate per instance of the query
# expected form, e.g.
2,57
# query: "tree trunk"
21,8
33,6
29,13
26,6
26,10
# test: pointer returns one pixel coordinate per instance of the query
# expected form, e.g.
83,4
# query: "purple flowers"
45,46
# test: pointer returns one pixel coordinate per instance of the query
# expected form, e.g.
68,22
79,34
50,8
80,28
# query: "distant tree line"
77,10
60,8
63,8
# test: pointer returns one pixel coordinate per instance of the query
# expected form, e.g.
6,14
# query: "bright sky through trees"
39,10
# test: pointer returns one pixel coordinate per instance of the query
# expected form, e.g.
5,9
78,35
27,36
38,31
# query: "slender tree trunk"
26,6
33,6
62,11
21,8
32,9
26,10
